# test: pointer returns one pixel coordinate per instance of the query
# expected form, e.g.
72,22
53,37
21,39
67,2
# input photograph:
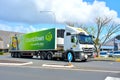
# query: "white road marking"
112,78
58,66
16,64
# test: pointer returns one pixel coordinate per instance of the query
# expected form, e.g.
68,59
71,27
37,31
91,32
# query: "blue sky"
25,16
114,4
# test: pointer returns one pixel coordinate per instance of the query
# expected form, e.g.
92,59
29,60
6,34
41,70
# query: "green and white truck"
53,43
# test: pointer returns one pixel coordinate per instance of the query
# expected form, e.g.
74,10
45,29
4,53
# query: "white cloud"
81,12
28,11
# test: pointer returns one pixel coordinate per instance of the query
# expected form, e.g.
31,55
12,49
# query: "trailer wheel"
38,55
12,55
49,56
16,55
43,55
19,55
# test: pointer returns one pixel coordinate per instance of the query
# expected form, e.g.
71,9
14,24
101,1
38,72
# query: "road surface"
25,73
92,70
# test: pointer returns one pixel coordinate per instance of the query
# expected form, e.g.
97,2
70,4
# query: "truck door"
74,43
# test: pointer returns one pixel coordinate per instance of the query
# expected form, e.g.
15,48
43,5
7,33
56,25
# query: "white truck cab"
78,43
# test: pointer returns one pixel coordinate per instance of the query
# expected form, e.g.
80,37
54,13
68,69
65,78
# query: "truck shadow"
55,60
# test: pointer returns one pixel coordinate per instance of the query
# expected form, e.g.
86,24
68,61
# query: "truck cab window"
73,39
68,34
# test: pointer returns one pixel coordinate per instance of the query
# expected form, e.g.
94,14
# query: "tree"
103,30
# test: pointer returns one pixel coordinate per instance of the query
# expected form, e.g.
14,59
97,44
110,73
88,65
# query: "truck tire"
85,58
43,55
19,55
49,55
16,55
12,55
38,56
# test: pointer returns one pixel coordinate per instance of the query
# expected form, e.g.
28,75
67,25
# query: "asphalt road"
25,73
91,70
90,65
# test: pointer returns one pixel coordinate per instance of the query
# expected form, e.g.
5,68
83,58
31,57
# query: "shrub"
1,53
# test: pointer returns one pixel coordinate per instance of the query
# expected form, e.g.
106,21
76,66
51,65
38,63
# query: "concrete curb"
57,66
16,64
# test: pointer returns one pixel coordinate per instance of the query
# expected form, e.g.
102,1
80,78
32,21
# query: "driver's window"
73,39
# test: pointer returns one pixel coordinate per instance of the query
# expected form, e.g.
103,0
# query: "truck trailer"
53,43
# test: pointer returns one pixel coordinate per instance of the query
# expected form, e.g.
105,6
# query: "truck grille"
87,49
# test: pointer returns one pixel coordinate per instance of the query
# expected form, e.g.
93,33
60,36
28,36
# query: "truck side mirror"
73,39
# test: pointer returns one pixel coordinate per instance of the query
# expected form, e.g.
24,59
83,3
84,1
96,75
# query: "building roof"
110,43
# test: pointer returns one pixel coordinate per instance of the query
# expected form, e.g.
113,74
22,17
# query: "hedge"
1,53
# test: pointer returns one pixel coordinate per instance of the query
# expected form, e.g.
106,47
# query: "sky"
33,15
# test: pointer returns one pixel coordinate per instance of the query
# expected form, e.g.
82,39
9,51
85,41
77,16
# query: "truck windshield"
85,39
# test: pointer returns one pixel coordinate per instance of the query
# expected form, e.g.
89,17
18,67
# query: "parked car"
116,54
104,54
110,54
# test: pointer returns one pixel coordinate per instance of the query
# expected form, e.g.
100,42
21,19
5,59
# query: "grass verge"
114,59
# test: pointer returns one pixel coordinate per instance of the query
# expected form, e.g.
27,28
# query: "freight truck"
53,43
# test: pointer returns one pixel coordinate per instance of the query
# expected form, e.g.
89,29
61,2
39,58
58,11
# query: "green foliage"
1,53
